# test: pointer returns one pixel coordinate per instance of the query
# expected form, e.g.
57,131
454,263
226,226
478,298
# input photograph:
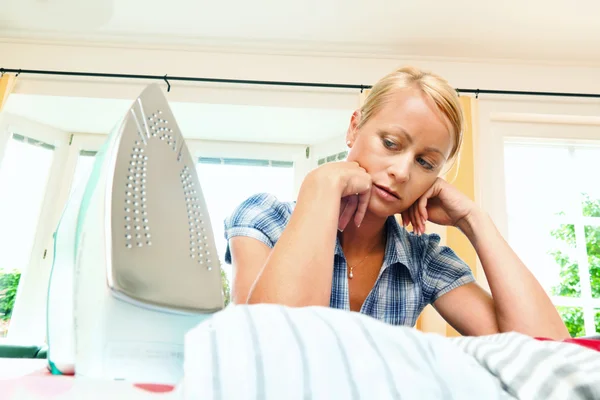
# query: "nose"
399,170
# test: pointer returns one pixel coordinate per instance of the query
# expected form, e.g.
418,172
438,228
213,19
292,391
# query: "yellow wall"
462,176
464,173
7,84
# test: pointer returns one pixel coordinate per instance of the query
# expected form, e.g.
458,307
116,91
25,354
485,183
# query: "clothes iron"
140,253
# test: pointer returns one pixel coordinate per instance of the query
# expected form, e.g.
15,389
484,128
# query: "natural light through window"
24,173
553,207
226,186
83,169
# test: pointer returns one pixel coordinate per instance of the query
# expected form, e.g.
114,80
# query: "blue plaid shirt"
416,270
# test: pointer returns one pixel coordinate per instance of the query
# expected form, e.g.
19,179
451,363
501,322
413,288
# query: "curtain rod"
167,78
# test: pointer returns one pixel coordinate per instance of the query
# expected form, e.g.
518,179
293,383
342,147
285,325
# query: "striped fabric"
275,352
529,369
416,270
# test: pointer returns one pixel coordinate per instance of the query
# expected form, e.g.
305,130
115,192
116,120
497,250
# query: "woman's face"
403,147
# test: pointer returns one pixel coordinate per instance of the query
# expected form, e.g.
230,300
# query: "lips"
388,191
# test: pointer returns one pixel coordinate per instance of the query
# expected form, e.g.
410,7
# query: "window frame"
256,151
27,324
570,122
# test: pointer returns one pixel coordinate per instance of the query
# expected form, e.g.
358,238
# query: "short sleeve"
261,216
442,270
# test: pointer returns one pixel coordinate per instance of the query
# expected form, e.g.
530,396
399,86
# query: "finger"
418,219
358,182
412,220
432,191
423,201
349,207
363,204
404,217
342,208
423,209
350,204
343,205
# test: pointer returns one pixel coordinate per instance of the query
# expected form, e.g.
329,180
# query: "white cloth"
276,352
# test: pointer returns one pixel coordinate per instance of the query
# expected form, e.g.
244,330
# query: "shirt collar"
396,249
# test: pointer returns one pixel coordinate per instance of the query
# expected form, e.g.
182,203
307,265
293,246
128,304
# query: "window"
228,182
37,178
341,156
24,174
553,214
83,168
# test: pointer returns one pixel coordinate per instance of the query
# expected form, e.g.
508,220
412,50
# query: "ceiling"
196,120
536,30
557,30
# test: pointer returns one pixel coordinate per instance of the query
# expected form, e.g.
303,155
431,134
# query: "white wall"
483,74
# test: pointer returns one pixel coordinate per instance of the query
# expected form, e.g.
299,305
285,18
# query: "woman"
340,245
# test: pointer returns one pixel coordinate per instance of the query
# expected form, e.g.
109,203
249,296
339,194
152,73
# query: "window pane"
23,178
573,319
597,320
541,193
539,181
590,204
83,169
226,186
560,248
587,161
550,255
592,240
9,281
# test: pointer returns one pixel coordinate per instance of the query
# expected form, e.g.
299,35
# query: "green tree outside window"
9,281
570,285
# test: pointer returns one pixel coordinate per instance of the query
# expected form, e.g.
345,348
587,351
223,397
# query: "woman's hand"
442,204
298,270
352,184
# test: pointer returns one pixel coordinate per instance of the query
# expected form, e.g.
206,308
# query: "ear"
353,128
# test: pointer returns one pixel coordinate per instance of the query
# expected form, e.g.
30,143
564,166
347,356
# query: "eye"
424,163
388,144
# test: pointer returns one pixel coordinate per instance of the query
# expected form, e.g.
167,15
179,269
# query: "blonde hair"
433,86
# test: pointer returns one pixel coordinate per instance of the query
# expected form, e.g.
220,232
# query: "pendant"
351,274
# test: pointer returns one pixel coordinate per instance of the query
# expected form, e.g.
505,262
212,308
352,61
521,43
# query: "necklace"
351,267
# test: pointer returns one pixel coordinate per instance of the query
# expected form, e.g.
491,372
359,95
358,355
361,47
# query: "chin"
384,209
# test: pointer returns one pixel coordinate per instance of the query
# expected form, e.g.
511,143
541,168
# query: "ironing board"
29,378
